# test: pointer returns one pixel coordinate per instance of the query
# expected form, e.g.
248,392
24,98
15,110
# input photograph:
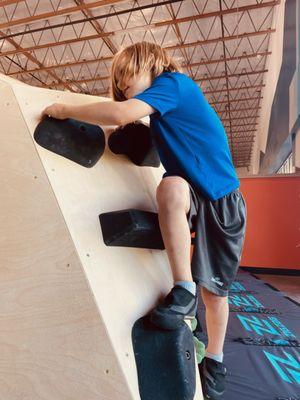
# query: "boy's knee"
172,192
212,300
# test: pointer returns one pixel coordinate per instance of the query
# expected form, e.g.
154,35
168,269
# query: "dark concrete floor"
289,285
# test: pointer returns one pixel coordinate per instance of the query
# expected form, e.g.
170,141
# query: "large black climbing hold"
165,361
131,228
136,142
78,141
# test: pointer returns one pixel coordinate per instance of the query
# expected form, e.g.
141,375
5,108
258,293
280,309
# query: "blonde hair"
137,59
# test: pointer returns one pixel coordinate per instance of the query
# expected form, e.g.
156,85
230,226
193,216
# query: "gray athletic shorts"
219,227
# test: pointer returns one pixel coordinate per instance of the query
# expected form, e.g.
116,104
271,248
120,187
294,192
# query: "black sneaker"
212,374
178,305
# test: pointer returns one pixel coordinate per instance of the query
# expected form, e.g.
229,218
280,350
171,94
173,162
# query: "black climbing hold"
78,141
136,142
131,228
165,361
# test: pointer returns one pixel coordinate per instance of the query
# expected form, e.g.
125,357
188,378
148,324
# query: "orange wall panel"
273,222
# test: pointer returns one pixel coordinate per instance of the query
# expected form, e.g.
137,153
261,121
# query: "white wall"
273,65
295,95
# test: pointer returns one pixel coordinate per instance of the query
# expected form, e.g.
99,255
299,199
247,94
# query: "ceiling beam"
174,47
240,118
4,3
98,93
180,39
248,130
101,78
96,25
225,59
236,100
241,109
232,89
245,141
231,75
70,10
254,123
91,61
226,74
51,14
225,38
34,60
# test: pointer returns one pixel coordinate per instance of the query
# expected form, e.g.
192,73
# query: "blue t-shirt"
189,136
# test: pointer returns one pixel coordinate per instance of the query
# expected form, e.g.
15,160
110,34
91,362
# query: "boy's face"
136,85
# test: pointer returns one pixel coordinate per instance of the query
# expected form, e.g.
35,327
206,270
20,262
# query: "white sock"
216,357
188,285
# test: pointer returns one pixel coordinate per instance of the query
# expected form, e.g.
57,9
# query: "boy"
199,190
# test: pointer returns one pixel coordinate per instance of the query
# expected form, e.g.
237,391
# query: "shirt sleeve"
162,95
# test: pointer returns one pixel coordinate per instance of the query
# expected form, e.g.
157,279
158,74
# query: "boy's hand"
56,110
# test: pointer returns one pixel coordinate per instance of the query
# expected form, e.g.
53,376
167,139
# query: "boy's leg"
212,370
173,200
215,263
173,204
216,314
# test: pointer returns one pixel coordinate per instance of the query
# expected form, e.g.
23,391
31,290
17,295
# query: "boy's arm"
134,109
102,113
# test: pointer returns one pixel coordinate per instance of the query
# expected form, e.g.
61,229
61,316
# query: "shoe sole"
212,394
217,397
169,322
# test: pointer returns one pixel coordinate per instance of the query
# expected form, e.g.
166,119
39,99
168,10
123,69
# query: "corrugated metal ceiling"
221,44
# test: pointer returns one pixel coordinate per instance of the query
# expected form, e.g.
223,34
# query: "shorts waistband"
237,191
